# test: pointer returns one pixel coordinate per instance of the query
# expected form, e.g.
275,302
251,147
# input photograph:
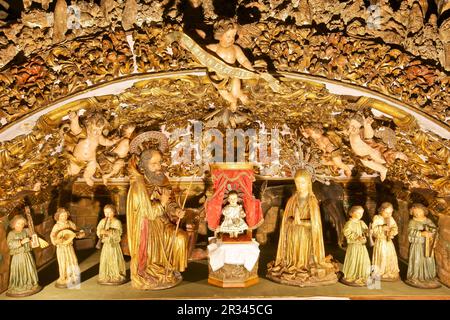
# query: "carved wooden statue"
332,155
357,266
233,213
384,258
373,155
85,152
422,234
62,236
23,276
112,264
300,256
158,248
231,53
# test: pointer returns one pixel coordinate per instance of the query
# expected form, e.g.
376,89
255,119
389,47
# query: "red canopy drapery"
240,178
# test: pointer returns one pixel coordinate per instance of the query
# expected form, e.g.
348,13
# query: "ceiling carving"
56,51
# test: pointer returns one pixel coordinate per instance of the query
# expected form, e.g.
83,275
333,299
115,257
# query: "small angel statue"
234,214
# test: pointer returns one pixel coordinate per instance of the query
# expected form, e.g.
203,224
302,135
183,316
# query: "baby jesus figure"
233,213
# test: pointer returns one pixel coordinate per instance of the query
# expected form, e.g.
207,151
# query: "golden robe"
155,260
301,240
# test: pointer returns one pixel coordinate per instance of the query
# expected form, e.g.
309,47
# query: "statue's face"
228,37
233,199
302,184
154,163
62,217
387,212
418,213
20,224
357,215
109,213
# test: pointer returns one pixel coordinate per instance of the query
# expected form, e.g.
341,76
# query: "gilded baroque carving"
43,156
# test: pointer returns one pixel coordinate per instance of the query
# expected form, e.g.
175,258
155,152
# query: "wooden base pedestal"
233,276
231,261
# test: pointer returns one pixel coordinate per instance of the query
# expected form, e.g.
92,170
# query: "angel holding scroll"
227,65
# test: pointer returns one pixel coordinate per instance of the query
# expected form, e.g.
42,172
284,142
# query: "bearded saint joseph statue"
158,255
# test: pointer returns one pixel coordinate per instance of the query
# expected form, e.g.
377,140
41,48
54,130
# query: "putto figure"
233,213
112,264
231,53
357,266
300,259
422,234
332,155
84,155
384,258
158,248
23,276
373,155
116,157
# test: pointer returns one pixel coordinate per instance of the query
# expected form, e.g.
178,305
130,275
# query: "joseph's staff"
176,229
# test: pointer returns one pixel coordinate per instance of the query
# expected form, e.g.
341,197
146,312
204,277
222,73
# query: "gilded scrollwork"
43,156
100,46
79,62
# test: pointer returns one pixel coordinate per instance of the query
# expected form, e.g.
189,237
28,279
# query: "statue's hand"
426,234
81,234
180,213
260,64
116,140
201,33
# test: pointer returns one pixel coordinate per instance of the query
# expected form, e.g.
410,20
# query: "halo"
137,142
